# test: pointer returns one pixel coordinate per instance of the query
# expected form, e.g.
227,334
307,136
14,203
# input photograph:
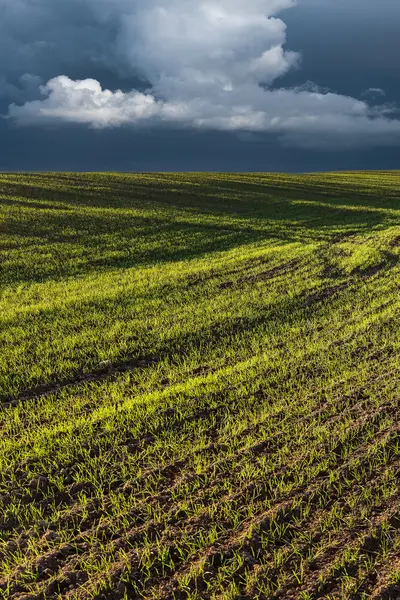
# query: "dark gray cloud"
209,81
46,38
348,46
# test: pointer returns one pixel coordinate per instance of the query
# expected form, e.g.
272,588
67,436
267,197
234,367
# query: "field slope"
199,386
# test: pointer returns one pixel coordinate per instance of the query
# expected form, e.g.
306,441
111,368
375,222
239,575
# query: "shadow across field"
95,218
233,191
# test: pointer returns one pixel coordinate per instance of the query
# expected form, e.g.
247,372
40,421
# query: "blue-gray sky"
206,85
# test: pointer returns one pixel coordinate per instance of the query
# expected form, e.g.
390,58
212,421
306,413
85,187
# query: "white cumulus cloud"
209,64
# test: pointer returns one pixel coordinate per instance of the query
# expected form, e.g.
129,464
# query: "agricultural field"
199,386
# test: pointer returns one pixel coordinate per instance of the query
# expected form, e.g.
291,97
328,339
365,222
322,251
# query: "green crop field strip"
199,386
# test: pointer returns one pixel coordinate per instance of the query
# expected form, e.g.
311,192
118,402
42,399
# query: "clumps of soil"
327,293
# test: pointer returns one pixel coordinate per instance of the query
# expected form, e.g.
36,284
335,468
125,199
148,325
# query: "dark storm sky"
345,47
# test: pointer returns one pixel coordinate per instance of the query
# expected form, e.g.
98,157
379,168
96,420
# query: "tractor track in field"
242,442
111,371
